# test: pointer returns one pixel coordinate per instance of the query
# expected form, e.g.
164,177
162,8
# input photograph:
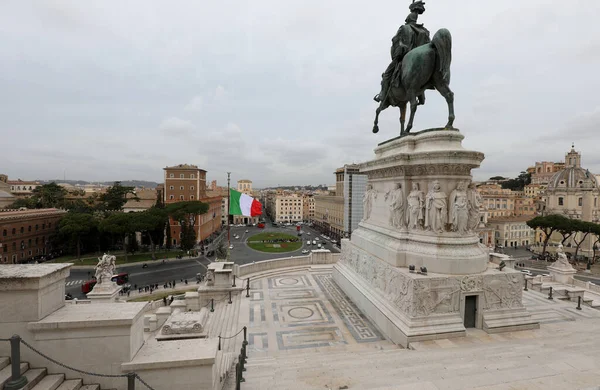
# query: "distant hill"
128,183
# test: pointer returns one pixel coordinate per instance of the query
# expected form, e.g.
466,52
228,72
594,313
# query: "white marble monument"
105,289
562,271
421,211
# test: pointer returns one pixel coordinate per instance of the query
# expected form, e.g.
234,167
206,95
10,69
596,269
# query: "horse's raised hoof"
375,129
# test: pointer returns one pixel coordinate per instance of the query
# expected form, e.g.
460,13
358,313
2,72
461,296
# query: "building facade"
512,231
339,213
185,182
308,207
285,208
543,171
22,188
26,234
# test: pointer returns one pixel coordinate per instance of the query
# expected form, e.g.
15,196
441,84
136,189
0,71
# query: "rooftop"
15,214
185,166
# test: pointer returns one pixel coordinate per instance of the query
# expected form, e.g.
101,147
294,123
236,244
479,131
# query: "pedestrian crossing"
74,282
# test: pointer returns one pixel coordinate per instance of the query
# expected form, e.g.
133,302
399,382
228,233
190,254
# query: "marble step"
34,376
90,387
5,373
71,384
4,361
50,382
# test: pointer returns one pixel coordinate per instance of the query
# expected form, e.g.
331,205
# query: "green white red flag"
242,204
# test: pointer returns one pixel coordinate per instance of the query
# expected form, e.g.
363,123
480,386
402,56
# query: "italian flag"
242,204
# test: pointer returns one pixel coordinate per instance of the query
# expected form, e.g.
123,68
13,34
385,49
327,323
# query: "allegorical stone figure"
396,206
414,212
459,209
436,205
368,199
562,260
105,268
474,203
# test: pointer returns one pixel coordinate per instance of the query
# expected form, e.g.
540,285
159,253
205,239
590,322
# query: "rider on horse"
409,36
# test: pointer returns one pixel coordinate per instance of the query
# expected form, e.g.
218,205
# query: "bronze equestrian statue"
418,63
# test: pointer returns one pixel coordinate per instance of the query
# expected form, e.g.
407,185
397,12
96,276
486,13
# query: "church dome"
572,177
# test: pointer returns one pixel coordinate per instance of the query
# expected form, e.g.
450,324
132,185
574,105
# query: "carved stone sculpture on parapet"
416,204
396,206
105,268
562,261
436,209
368,199
474,203
459,211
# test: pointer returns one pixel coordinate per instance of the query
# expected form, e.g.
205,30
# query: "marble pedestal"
563,274
104,293
408,178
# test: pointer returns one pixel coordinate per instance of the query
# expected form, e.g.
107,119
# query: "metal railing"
18,381
240,366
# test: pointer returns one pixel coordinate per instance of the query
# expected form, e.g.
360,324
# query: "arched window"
171,175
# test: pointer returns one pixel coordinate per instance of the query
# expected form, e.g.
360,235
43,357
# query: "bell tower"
573,158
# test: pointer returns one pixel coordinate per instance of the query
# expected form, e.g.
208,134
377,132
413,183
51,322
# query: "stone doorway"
470,320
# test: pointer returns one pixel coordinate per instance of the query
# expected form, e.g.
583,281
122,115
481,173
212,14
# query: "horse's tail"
442,40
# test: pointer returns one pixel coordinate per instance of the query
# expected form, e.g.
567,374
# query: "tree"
75,225
49,195
121,224
186,213
115,197
221,252
548,224
152,223
586,228
497,178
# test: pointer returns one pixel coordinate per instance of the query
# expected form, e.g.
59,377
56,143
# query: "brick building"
25,234
185,182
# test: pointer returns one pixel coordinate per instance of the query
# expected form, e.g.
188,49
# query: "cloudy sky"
280,92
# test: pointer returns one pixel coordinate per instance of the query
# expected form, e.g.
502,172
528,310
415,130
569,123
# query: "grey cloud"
146,84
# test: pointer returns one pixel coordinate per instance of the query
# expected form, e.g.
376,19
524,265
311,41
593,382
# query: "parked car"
308,242
314,242
305,251
230,246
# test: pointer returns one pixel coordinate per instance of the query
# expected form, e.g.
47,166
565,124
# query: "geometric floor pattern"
304,310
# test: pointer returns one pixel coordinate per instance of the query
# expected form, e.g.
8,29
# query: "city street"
156,272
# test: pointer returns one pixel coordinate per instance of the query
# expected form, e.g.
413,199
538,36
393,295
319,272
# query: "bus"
120,279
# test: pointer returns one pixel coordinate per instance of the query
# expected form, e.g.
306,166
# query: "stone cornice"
26,215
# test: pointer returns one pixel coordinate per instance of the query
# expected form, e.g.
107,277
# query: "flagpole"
228,209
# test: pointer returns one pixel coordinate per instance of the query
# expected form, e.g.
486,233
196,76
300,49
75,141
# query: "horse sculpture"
424,67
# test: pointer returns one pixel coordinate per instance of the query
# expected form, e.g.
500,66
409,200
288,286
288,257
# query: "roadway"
156,272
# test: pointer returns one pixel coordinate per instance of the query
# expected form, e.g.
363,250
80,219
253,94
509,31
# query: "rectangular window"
171,175
580,201
181,175
560,201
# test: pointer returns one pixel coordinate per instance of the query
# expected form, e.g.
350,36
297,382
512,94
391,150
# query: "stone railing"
78,302
313,258
593,287
580,283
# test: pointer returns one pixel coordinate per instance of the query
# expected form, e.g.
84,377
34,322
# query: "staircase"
224,322
39,379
